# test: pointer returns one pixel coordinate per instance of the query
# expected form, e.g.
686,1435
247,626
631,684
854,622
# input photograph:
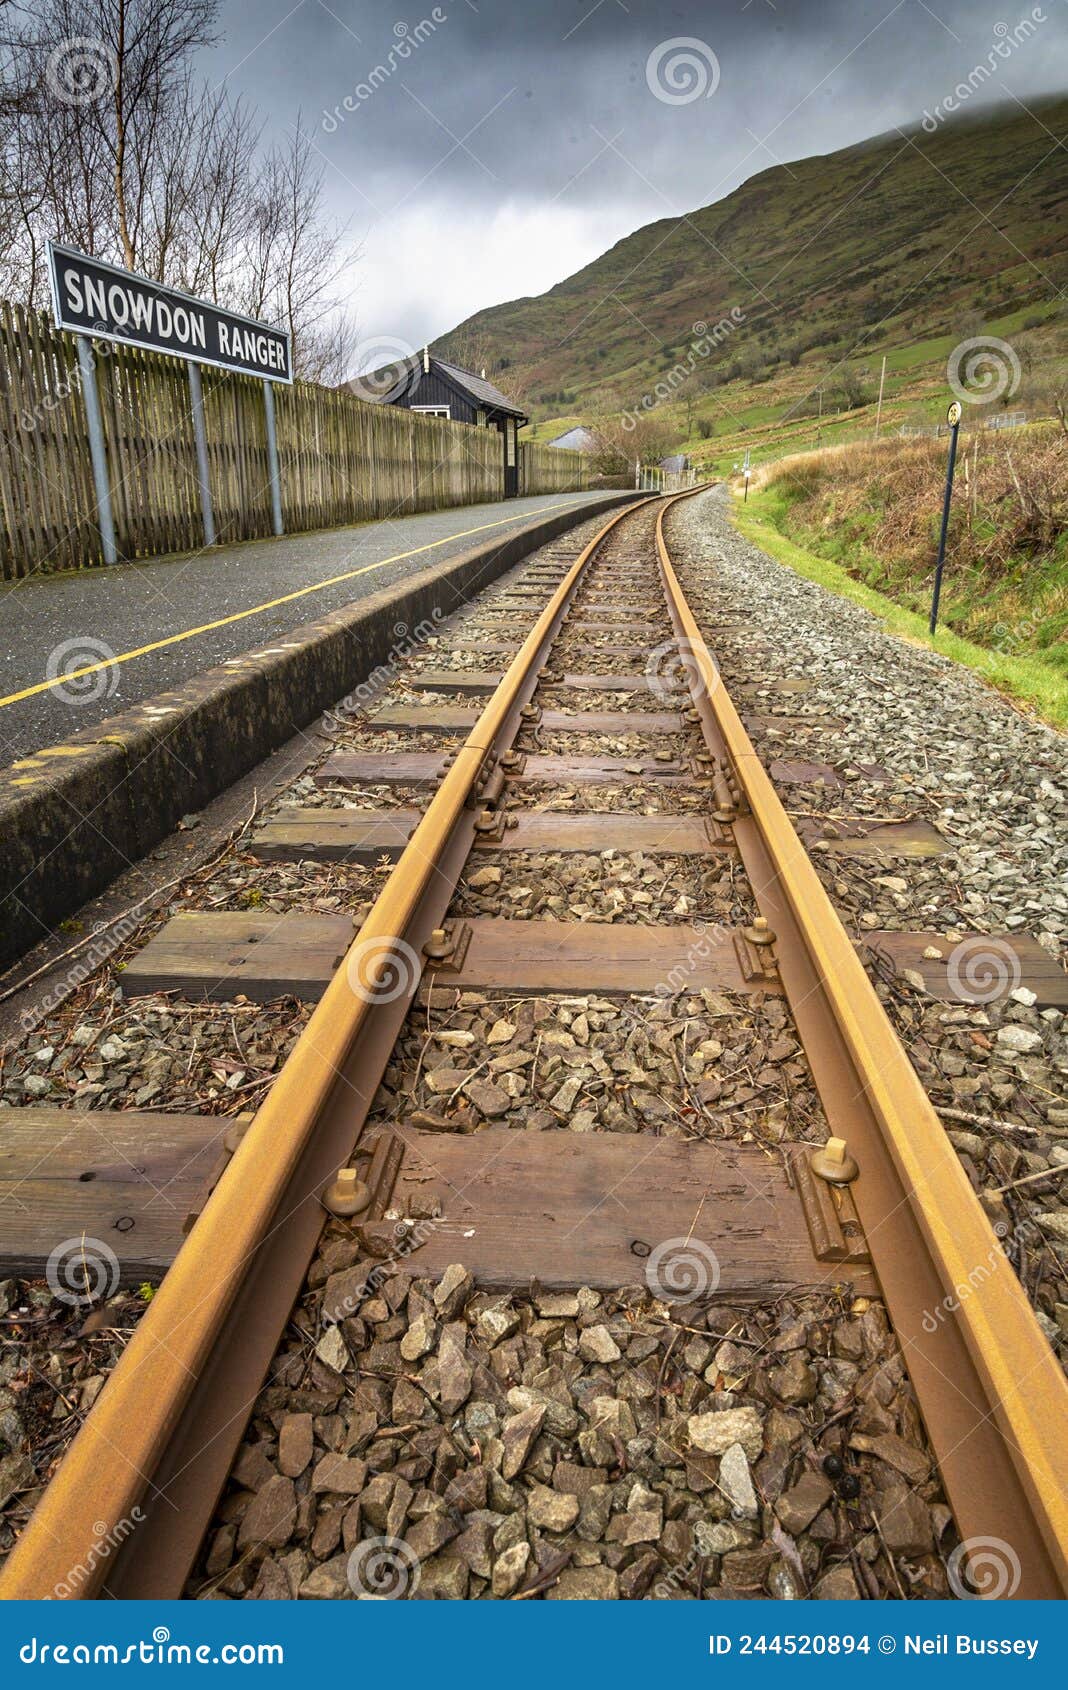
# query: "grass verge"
1025,680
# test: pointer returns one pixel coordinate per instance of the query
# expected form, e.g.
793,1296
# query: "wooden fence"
551,469
341,460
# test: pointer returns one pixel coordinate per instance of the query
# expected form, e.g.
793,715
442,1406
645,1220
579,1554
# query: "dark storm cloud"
575,116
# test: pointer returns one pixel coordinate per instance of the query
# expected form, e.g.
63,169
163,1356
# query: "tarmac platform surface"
206,607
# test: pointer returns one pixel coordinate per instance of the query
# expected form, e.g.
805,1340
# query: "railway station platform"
159,622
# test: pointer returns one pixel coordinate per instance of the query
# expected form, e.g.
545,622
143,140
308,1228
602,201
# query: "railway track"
579,717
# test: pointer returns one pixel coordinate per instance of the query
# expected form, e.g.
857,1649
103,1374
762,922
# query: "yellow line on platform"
256,609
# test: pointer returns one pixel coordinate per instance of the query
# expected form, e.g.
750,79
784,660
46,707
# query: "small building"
576,439
438,389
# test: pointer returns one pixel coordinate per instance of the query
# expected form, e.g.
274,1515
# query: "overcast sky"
515,140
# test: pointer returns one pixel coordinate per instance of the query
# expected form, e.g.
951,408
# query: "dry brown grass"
876,508
1010,498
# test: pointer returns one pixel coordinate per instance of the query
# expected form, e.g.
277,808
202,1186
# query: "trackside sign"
98,299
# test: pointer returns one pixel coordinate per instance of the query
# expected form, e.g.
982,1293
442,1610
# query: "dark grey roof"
480,390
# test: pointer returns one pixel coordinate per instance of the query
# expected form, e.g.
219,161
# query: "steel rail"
146,1468
989,1387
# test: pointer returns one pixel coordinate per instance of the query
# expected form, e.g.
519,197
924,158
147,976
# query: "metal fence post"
97,449
196,402
272,458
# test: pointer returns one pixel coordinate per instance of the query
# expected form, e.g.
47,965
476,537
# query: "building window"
480,418
434,410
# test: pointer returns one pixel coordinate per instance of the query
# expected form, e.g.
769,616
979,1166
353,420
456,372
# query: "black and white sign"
98,299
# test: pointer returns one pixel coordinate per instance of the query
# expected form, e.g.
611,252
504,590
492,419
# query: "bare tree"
623,437
110,141
475,350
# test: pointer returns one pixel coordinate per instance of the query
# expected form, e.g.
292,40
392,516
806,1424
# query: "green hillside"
902,245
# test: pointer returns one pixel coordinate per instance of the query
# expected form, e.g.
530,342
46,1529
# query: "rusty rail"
991,1391
156,1448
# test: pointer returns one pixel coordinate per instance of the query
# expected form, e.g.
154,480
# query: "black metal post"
953,433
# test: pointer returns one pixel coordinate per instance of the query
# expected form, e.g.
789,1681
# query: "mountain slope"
888,243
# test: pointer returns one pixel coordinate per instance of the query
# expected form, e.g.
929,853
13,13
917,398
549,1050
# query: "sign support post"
272,459
196,401
97,450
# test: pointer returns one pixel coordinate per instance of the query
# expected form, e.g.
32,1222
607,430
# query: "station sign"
105,302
